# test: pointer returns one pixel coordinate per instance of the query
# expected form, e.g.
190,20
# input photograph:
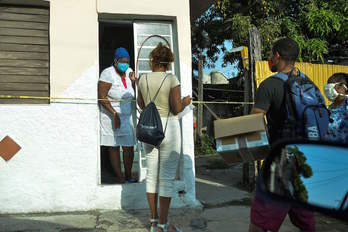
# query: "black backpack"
149,128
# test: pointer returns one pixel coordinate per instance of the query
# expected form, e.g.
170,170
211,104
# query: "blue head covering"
121,53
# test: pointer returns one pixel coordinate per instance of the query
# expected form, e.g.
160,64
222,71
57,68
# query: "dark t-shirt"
270,98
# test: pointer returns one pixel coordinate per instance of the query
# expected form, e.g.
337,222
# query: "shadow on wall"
185,194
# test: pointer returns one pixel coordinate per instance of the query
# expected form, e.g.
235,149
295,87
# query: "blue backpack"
306,115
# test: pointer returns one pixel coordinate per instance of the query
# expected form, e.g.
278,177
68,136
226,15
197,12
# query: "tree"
302,170
314,24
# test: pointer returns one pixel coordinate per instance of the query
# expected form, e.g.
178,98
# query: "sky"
329,183
230,71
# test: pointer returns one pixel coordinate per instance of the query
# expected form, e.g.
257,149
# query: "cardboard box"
242,139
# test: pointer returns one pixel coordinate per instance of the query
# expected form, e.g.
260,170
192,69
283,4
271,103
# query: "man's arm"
258,111
263,98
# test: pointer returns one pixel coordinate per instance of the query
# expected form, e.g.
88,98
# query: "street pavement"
230,218
224,208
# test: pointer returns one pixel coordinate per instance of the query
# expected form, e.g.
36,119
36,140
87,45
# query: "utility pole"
245,64
245,179
204,44
250,89
255,55
200,98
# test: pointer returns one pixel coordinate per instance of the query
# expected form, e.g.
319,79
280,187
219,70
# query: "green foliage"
315,49
241,24
328,20
206,146
269,30
217,164
314,24
300,190
303,169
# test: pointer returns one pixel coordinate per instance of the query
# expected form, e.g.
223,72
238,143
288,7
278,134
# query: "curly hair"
161,56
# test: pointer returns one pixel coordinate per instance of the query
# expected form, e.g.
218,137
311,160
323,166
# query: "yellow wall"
319,73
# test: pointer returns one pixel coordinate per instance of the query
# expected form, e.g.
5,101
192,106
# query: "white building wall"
57,168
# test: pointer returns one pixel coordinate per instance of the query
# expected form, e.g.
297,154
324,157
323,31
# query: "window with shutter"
24,52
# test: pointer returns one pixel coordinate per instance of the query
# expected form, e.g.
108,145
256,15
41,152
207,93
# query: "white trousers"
162,163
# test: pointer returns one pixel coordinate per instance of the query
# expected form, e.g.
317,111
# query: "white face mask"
331,93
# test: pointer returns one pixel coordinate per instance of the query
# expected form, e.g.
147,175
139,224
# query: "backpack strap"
289,104
160,87
165,128
282,76
287,88
148,90
148,93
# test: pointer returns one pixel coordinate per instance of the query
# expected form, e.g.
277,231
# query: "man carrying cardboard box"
267,214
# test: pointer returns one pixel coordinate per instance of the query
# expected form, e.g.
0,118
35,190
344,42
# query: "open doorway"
131,34
112,36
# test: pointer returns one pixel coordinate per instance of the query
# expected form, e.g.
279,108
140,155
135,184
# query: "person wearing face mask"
267,214
115,93
336,91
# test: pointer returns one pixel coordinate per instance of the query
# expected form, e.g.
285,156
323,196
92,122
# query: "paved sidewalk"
215,219
225,219
225,209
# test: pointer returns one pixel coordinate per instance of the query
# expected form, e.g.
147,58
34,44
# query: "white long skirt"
162,163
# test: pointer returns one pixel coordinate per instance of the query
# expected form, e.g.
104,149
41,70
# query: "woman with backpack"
336,91
162,161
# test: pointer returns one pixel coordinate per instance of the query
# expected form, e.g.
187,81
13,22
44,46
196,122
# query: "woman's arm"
141,102
133,79
103,90
176,103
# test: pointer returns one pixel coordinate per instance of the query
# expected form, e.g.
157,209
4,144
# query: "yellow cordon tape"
96,99
223,102
59,98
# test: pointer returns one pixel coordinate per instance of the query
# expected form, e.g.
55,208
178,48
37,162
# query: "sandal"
153,223
166,227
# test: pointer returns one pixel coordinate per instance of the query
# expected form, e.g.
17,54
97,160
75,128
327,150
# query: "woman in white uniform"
116,124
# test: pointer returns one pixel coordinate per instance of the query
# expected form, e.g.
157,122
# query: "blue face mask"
122,67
